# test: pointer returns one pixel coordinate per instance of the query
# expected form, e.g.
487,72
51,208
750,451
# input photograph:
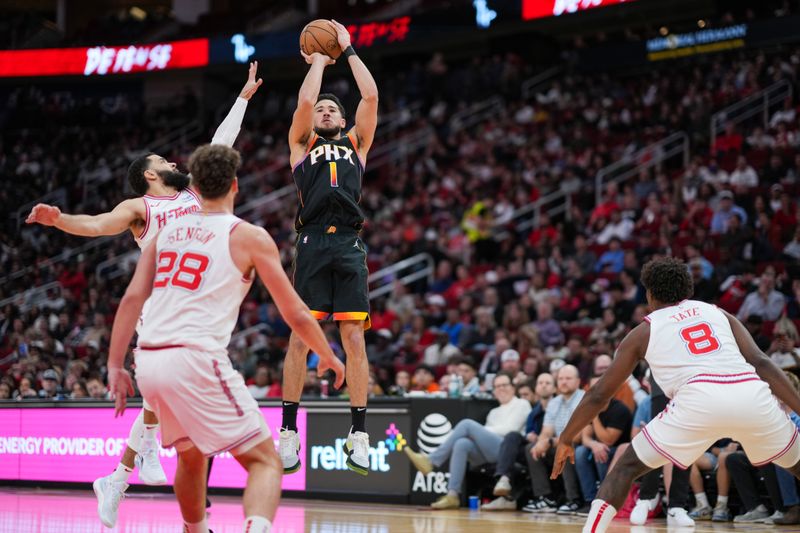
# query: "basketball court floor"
63,511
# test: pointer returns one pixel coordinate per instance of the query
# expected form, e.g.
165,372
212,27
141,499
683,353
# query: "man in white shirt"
473,443
765,301
743,177
440,351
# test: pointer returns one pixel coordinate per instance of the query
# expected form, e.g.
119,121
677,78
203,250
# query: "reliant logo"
333,457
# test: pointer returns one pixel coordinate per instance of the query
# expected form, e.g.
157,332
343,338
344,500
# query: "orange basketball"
320,36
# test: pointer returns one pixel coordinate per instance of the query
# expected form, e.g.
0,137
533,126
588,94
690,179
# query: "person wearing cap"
51,388
724,212
474,443
424,379
510,364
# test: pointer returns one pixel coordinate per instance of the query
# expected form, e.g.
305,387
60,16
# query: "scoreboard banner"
536,9
104,60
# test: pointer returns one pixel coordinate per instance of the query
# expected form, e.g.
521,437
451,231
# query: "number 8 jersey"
197,289
693,342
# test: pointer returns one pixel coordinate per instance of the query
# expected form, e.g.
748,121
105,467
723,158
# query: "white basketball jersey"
689,339
197,288
162,210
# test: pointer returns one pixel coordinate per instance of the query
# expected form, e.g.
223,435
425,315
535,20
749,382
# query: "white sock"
149,437
722,502
600,516
121,474
199,527
137,430
702,499
257,524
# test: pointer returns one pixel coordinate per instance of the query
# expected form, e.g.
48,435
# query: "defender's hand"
252,85
44,214
333,365
342,35
120,385
563,452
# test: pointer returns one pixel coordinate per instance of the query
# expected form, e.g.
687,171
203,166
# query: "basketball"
320,36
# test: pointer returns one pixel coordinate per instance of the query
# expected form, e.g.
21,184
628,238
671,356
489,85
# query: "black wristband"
349,51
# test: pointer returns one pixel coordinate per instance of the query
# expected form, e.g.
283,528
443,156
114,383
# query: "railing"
422,265
390,122
63,257
530,85
526,217
117,266
57,197
270,202
649,156
26,300
755,104
397,149
476,113
260,327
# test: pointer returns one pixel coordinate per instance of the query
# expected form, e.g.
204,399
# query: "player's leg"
351,310
311,279
190,489
613,491
294,372
263,491
146,460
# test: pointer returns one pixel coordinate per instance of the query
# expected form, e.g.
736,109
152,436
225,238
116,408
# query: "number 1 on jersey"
334,179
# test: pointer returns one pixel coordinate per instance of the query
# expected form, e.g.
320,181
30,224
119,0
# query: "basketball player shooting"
330,273
165,196
195,276
720,382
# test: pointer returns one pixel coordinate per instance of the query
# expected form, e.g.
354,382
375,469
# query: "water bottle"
323,388
460,386
452,387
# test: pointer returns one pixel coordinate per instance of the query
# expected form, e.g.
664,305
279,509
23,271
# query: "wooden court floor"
51,511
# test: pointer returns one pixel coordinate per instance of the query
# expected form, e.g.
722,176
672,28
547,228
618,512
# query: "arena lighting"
534,9
104,60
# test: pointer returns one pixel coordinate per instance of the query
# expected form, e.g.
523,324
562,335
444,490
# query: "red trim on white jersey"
193,193
780,453
661,451
146,219
154,197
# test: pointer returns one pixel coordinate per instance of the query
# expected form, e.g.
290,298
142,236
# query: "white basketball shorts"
714,406
200,400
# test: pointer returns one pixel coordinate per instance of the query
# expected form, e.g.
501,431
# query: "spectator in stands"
440,351
714,175
516,446
469,376
617,226
609,329
79,391
755,325
726,210
745,476
792,248
787,115
491,359
402,384
783,350
381,352
743,178
481,334
51,386
5,391
97,390
550,334
585,258
612,260
730,142
599,442
261,384
453,326
541,455
764,301
704,289
25,390
712,461
473,443
424,380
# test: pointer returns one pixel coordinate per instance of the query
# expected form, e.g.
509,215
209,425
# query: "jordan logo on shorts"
305,239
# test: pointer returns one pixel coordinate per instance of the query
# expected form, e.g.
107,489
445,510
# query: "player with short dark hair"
195,275
166,196
330,270
720,382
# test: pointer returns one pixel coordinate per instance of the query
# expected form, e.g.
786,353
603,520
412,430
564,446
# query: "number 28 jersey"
693,341
328,181
197,290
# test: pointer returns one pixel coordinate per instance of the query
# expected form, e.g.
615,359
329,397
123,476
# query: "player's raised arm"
229,128
265,258
119,219
630,351
130,308
367,111
303,118
765,368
